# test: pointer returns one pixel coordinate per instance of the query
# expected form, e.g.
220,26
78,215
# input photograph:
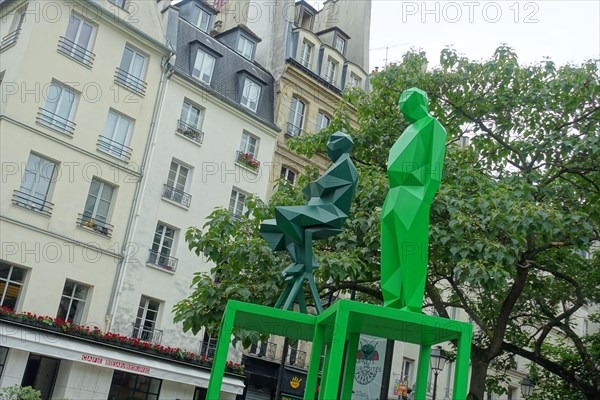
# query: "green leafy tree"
16,392
516,208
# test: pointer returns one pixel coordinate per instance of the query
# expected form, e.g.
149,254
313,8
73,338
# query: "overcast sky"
562,30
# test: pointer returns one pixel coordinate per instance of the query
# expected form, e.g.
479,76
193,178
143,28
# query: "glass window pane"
126,60
85,35
72,28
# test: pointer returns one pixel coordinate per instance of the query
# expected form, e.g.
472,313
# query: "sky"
564,31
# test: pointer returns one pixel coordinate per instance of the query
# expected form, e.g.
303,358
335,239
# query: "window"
288,174
330,71
354,81
249,144
59,108
245,47
35,187
237,202
130,386
78,40
176,184
512,393
146,319
339,43
305,53
116,135
72,302
162,245
200,393
130,72
203,21
250,94
322,121
97,207
407,370
190,122
3,355
119,3
296,117
11,283
305,20
203,67
15,28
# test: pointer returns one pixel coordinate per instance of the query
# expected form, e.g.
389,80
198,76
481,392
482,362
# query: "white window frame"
43,170
406,362
74,42
245,47
8,281
339,43
321,118
330,70
247,93
81,302
118,3
98,199
296,116
237,197
174,182
249,144
205,65
285,174
132,69
188,114
112,146
50,117
354,81
199,22
142,319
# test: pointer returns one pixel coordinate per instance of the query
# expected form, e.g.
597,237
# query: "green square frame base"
343,323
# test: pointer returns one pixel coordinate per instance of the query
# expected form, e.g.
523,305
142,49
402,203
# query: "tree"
515,209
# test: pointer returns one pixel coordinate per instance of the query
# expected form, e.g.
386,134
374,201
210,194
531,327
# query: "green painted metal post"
422,373
350,366
315,362
334,364
218,367
328,347
461,372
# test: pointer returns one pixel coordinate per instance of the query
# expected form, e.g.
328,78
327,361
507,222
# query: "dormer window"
203,66
330,71
354,81
305,54
250,94
306,20
203,21
245,47
339,43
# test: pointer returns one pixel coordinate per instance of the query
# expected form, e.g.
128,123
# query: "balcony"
247,160
130,81
189,132
147,334
87,222
266,350
9,40
163,261
75,51
293,130
114,148
296,358
208,348
56,122
176,195
32,202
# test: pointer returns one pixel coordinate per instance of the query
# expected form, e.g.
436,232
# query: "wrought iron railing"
148,334
247,160
208,348
130,81
75,51
98,226
264,349
115,148
32,202
293,130
296,358
176,195
9,40
190,132
55,121
163,261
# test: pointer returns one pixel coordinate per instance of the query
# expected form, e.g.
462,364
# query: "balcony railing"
55,121
88,222
247,160
9,40
163,261
208,348
176,195
296,358
264,349
293,130
32,202
115,148
75,51
130,81
148,334
190,132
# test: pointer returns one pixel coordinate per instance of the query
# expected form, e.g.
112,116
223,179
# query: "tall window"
339,43
98,201
296,117
203,21
162,246
330,71
203,67
245,47
131,70
131,386
78,40
72,302
15,28
237,202
249,144
288,174
407,371
115,137
322,121
305,54
177,180
354,80
192,116
35,187
250,94
59,108
11,283
3,355
146,319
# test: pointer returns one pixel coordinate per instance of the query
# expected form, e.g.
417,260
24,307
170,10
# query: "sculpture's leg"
218,367
423,373
302,301
336,356
414,256
391,281
315,293
289,303
461,373
315,363
350,367
284,295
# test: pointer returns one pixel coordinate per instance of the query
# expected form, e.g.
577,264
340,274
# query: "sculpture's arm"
433,176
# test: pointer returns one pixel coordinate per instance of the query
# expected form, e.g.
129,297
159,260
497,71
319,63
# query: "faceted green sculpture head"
339,143
413,103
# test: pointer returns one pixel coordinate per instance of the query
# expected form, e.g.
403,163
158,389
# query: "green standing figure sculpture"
414,172
295,227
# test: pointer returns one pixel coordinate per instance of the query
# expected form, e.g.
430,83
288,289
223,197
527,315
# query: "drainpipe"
117,288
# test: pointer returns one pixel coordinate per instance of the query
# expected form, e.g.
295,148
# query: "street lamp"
527,387
438,360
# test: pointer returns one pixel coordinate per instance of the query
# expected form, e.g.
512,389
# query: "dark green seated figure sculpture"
295,227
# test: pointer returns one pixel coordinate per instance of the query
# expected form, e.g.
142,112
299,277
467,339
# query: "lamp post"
527,387
438,360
